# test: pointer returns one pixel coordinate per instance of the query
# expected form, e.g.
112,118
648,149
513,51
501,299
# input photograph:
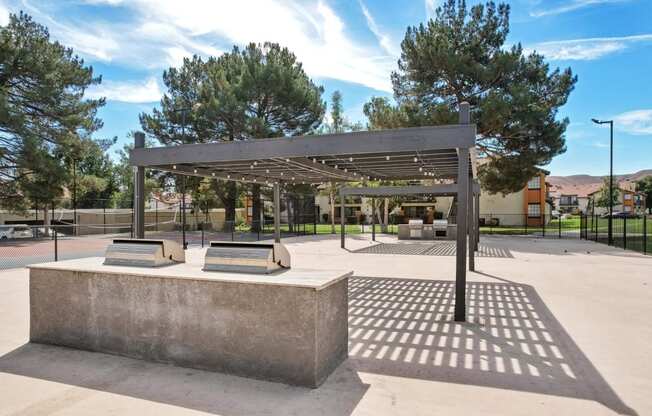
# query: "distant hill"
583,185
583,180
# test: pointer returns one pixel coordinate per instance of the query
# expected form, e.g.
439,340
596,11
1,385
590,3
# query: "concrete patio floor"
556,327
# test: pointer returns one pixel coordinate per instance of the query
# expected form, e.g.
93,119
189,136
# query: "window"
627,197
568,200
534,183
628,208
534,210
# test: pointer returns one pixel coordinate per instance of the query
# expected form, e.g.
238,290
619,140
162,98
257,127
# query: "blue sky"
353,45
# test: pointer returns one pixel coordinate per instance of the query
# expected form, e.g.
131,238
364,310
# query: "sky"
353,45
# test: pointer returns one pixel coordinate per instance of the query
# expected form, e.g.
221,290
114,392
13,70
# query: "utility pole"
610,238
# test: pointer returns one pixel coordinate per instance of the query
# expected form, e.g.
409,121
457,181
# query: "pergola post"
342,219
139,191
373,219
462,216
471,227
463,187
277,212
476,211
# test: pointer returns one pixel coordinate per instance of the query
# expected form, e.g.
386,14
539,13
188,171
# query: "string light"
387,157
251,166
420,169
335,166
213,173
350,159
174,166
281,173
415,159
346,170
266,170
255,163
228,176
287,160
323,162
314,160
194,170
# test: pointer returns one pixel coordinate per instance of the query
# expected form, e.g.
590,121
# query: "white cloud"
431,7
571,6
587,49
638,122
4,15
385,41
127,91
161,32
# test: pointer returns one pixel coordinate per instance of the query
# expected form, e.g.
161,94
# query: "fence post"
56,246
595,220
625,232
202,236
233,231
543,227
644,233
104,216
559,223
525,224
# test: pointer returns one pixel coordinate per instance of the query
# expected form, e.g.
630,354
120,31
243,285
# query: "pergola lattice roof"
410,153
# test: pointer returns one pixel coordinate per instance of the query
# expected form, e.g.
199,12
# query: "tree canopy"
602,197
255,92
645,185
43,113
461,55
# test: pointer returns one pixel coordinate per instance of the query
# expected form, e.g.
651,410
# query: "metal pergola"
437,153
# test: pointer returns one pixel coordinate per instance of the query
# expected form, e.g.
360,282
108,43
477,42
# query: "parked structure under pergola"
444,154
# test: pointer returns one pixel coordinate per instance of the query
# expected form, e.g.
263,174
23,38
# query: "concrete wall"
295,335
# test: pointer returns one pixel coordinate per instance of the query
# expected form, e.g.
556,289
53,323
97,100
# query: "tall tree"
602,197
43,114
338,124
461,55
256,92
645,186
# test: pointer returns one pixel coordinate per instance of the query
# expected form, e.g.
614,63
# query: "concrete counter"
289,326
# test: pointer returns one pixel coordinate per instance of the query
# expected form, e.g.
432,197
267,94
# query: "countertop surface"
307,278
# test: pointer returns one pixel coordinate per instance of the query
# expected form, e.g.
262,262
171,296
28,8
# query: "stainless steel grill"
244,257
143,253
416,228
440,228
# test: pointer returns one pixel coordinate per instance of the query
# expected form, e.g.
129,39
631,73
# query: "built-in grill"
416,228
244,257
143,253
440,228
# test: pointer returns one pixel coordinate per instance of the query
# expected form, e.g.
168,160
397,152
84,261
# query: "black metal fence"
631,233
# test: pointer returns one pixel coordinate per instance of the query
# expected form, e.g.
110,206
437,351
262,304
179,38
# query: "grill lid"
245,257
143,253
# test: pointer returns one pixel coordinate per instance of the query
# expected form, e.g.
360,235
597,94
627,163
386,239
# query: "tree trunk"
46,221
386,215
255,208
331,195
229,201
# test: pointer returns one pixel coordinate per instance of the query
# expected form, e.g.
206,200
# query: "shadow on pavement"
404,328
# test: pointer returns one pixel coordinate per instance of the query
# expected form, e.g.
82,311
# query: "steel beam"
445,189
471,226
378,141
139,190
277,212
342,218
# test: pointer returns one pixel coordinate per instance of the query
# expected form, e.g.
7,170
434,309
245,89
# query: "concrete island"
290,326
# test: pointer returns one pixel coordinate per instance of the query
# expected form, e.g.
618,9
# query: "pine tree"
461,55
43,115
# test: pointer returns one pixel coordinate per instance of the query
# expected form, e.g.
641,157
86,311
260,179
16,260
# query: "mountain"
584,185
583,180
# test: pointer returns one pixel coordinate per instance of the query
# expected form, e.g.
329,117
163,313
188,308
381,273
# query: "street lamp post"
183,112
611,176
